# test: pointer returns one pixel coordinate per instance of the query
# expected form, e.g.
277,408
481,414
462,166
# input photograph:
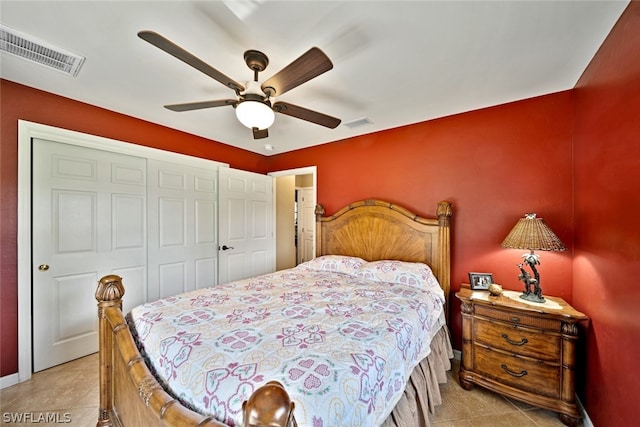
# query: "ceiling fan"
253,100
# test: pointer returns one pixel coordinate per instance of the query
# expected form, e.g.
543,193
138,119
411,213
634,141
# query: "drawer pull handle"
523,341
515,319
514,374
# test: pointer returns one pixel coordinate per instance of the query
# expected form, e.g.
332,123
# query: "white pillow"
414,274
336,263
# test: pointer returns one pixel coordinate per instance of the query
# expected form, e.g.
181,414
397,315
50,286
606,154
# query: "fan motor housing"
256,60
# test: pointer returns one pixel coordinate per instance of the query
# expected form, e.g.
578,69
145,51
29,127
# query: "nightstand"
522,350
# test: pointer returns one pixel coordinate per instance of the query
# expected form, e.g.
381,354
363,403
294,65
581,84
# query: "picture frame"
480,281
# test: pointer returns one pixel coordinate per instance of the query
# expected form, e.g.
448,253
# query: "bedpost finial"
319,211
270,405
444,212
110,288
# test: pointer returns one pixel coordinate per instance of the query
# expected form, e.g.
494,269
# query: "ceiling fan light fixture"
253,104
255,114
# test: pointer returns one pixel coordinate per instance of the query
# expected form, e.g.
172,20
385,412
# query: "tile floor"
66,393
70,393
482,408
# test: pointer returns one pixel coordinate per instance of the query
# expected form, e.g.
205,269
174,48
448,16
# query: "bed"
361,241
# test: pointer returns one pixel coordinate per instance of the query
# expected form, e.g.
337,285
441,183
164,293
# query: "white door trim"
26,131
299,171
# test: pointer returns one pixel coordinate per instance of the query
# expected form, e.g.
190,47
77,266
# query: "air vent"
27,47
358,122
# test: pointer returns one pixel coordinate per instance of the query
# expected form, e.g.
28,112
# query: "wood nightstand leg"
568,421
464,382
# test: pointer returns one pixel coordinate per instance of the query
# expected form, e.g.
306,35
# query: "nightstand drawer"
517,339
524,374
518,318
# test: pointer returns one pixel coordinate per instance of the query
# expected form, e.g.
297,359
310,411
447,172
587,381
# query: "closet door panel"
183,240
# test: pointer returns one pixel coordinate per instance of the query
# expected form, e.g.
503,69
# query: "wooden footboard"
129,393
130,396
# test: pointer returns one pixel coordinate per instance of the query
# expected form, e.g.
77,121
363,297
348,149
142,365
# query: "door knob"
226,248
43,267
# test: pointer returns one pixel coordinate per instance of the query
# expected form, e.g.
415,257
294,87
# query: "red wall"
493,164
20,102
607,226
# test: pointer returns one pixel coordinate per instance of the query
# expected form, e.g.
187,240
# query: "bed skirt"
422,393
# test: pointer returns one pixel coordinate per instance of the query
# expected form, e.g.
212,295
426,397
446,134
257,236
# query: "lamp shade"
255,114
532,233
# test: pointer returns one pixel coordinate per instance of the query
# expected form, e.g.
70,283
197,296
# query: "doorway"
288,185
305,220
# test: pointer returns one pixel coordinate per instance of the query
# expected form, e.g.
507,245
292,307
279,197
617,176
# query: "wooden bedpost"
444,213
108,294
319,214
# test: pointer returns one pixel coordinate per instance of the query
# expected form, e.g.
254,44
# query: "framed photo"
480,281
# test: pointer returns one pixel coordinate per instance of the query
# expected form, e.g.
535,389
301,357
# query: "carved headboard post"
108,294
444,213
319,211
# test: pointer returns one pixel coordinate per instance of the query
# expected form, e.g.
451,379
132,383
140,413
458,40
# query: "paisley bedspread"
341,334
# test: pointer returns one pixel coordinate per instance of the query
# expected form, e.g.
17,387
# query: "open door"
306,224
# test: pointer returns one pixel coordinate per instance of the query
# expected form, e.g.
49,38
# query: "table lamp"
533,234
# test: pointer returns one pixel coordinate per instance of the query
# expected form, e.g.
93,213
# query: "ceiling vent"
33,50
358,122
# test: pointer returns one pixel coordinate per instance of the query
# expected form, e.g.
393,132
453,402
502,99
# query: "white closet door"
247,243
183,238
89,219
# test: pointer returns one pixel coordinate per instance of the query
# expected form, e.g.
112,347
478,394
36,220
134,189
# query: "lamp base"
532,297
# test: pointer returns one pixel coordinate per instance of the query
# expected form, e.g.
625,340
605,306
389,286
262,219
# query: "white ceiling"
395,62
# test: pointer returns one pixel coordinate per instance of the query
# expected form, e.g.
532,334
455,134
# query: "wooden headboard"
375,230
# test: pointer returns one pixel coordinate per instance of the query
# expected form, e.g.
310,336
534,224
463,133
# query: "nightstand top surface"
557,306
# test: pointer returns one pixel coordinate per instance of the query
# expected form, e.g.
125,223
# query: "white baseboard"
586,421
9,380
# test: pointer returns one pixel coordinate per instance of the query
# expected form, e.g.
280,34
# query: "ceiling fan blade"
173,49
306,114
260,133
311,64
200,105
